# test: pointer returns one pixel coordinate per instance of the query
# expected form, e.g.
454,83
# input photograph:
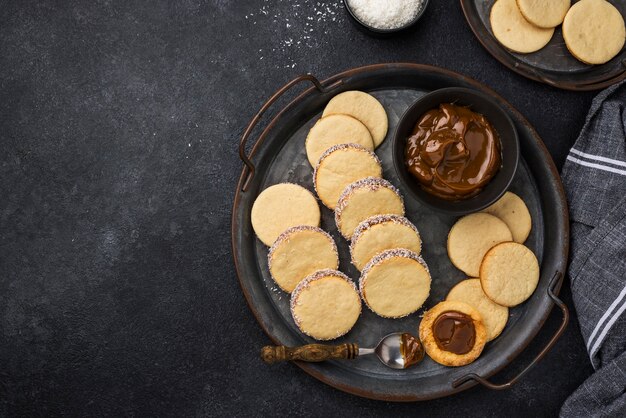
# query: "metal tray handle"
555,282
249,169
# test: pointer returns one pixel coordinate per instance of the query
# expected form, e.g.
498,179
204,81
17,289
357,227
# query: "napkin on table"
594,176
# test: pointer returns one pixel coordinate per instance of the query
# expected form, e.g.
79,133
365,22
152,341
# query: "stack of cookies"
488,247
369,212
593,30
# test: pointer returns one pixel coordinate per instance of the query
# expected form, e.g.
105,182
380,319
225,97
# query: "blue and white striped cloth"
594,176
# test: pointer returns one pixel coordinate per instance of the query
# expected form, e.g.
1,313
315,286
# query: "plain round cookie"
363,199
594,31
382,232
471,237
363,107
325,305
494,316
511,209
544,13
299,252
513,31
444,357
509,273
341,165
334,130
280,207
395,283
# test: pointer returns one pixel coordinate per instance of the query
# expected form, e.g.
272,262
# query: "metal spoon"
397,350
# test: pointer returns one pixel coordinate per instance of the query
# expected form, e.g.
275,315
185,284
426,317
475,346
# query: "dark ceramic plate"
553,64
279,156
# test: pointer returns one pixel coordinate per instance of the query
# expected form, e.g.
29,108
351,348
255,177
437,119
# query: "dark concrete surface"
119,123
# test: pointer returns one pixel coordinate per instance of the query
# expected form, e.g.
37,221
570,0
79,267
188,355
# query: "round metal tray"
278,156
553,64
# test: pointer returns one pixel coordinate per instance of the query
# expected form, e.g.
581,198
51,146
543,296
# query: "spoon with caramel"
397,350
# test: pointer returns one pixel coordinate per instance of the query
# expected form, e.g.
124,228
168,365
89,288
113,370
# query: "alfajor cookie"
544,13
511,209
341,165
471,237
325,305
363,199
299,252
395,283
453,333
594,31
513,31
382,232
282,206
363,107
334,130
494,316
509,273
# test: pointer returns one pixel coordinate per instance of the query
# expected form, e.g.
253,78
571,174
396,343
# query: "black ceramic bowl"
501,122
382,33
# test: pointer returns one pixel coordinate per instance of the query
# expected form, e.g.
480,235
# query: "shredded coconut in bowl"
385,14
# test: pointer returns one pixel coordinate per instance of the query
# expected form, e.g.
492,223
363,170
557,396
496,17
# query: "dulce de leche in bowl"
456,150
453,152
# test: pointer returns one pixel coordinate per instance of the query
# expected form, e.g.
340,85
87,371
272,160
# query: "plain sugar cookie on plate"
325,305
334,130
363,107
471,237
509,273
299,252
364,198
513,31
494,316
341,165
511,209
594,31
395,283
544,13
382,232
280,207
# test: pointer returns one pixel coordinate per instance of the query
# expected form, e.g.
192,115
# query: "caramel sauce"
453,152
454,332
411,349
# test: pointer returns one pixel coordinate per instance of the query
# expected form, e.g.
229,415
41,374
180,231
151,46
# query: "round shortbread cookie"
382,232
325,305
363,107
334,130
513,31
594,31
395,283
299,252
511,209
280,207
494,316
544,13
509,273
444,357
363,199
341,165
471,237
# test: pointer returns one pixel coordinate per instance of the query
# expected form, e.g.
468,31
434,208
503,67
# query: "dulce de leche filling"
454,332
411,349
453,152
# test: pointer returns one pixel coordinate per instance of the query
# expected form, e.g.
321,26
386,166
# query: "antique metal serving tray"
553,64
278,156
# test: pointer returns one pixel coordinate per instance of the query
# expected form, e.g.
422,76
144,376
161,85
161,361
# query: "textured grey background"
119,123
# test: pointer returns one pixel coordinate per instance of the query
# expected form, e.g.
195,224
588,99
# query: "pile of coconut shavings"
297,27
385,14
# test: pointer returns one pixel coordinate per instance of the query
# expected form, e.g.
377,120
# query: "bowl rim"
448,206
386,31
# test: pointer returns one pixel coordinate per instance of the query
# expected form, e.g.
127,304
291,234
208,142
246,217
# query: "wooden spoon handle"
310,353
